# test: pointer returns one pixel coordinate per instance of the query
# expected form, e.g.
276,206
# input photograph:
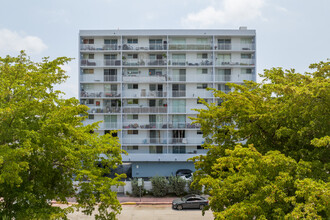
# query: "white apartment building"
146,83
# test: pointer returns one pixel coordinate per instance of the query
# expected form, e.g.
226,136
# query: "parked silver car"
190,202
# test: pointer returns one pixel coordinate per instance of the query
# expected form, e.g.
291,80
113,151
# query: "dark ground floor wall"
150,169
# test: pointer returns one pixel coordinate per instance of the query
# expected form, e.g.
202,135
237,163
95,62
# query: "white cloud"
13,42
229,11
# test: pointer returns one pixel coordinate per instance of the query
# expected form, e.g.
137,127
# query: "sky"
290,33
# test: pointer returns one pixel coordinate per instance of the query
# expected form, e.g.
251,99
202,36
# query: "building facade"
146,83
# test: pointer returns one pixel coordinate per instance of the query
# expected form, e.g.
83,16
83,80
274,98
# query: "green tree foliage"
44,146
159,186
177,185
269,147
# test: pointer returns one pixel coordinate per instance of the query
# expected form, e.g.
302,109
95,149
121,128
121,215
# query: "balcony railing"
190,46
95,110
150,125
142,93
222,77
100,47
142,109
178,93
96,94
187,141
109,125
131,140
93,78
242,62
196,62
146,62
143,78
230,46
105,62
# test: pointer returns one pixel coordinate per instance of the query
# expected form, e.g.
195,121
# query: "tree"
269,147
44,147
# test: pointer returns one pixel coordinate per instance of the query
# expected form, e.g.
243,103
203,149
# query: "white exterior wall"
94,84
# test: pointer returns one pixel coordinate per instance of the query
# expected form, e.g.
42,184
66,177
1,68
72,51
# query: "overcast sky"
290,33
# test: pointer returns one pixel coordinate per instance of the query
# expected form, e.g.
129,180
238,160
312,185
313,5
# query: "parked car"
190,201
185,174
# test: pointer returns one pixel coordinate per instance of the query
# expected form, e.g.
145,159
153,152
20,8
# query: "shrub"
177,185
136,188
159,186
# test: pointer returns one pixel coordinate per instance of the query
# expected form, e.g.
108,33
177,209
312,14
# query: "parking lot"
152,212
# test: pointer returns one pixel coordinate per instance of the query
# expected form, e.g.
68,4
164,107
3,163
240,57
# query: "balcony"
95,78
143,78
105,62
109,126
144,94
197,141
95,110
242,62
144,109
98,94
102,47
131,140
235,47
196,62
150,125
190,46
146,62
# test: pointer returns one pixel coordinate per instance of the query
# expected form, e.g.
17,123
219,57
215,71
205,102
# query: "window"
132,101
248,71
179,149
155,72
110,41
132,147
88,71
88,56
132,117
201,85
199,132
132,132
88,41
133,86
224,44
204,71
202,40
199,147
91,117
152,87
246,56
110,56
132,40
202,56
90,101
97,103
132,71
132,56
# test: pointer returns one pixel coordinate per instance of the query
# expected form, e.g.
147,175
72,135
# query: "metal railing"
100,47
144,109
104,62
95,110
242,62
96,94
144,78
190,62
173,46
142,93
